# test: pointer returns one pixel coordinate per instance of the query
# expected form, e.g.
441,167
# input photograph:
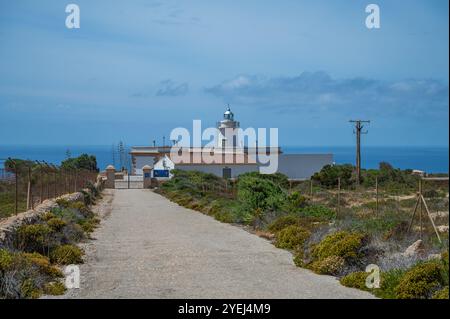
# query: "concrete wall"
216,169
302,166
295,166
141,161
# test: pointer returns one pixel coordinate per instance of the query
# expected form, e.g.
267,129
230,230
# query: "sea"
426,158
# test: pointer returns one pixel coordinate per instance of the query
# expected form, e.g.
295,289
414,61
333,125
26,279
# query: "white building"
232,157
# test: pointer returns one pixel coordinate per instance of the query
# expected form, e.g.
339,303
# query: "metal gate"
129,182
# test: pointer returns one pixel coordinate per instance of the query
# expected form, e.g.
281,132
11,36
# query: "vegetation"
31,266
66,255
329,232
422,281
355,280
84,161
329,175
292,237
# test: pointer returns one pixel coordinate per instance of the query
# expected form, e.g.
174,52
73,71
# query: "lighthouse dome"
228,115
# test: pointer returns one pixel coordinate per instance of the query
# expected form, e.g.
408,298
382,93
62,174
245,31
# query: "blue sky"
137,69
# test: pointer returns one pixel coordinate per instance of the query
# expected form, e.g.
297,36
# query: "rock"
416,249
442,228
439,214
434,257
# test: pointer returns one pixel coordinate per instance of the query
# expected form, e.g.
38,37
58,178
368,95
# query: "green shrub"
66,255
355,280
282,222
421,281
42,263
89,225
331,265
47,216
298,259
343,244
224,217
292,237
82,208
441,294
295,201
388,282
62,202
329,174
30,289
56,224
34,237
54,289
6,260
259,193
318,211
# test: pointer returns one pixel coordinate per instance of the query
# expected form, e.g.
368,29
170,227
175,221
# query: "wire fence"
26,184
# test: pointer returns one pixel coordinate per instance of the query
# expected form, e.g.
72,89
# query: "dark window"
226,172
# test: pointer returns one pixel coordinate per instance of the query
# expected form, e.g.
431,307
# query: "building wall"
295,166
141,161
302,166
217,169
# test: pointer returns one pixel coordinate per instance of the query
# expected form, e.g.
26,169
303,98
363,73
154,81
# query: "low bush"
282,222
355,280
23,275
298,259
34,237
43,263
292,237
422,281
318,211
6,260
54,288
331,265
343,244
295,201
441,294
66,255
56,224
388,282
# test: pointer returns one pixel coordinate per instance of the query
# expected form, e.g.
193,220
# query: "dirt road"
148,247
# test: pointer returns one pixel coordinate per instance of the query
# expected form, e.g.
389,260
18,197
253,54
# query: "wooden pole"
414,214
339,197
431,218
29,199
420,209
376,192
16,192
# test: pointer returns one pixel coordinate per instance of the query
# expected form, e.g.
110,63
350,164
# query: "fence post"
376,192
311,188
29,195
110,176
75,181
55,181
16,193
339,197
41,195
421,208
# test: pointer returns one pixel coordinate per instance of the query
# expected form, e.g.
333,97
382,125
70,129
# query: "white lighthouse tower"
228,133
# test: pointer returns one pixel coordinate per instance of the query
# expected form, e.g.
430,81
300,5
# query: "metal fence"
26,184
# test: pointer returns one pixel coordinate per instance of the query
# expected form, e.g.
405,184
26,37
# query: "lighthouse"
228,131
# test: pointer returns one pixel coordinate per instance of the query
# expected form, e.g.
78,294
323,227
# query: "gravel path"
149,247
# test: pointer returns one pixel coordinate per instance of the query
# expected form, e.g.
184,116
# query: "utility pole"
358,131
